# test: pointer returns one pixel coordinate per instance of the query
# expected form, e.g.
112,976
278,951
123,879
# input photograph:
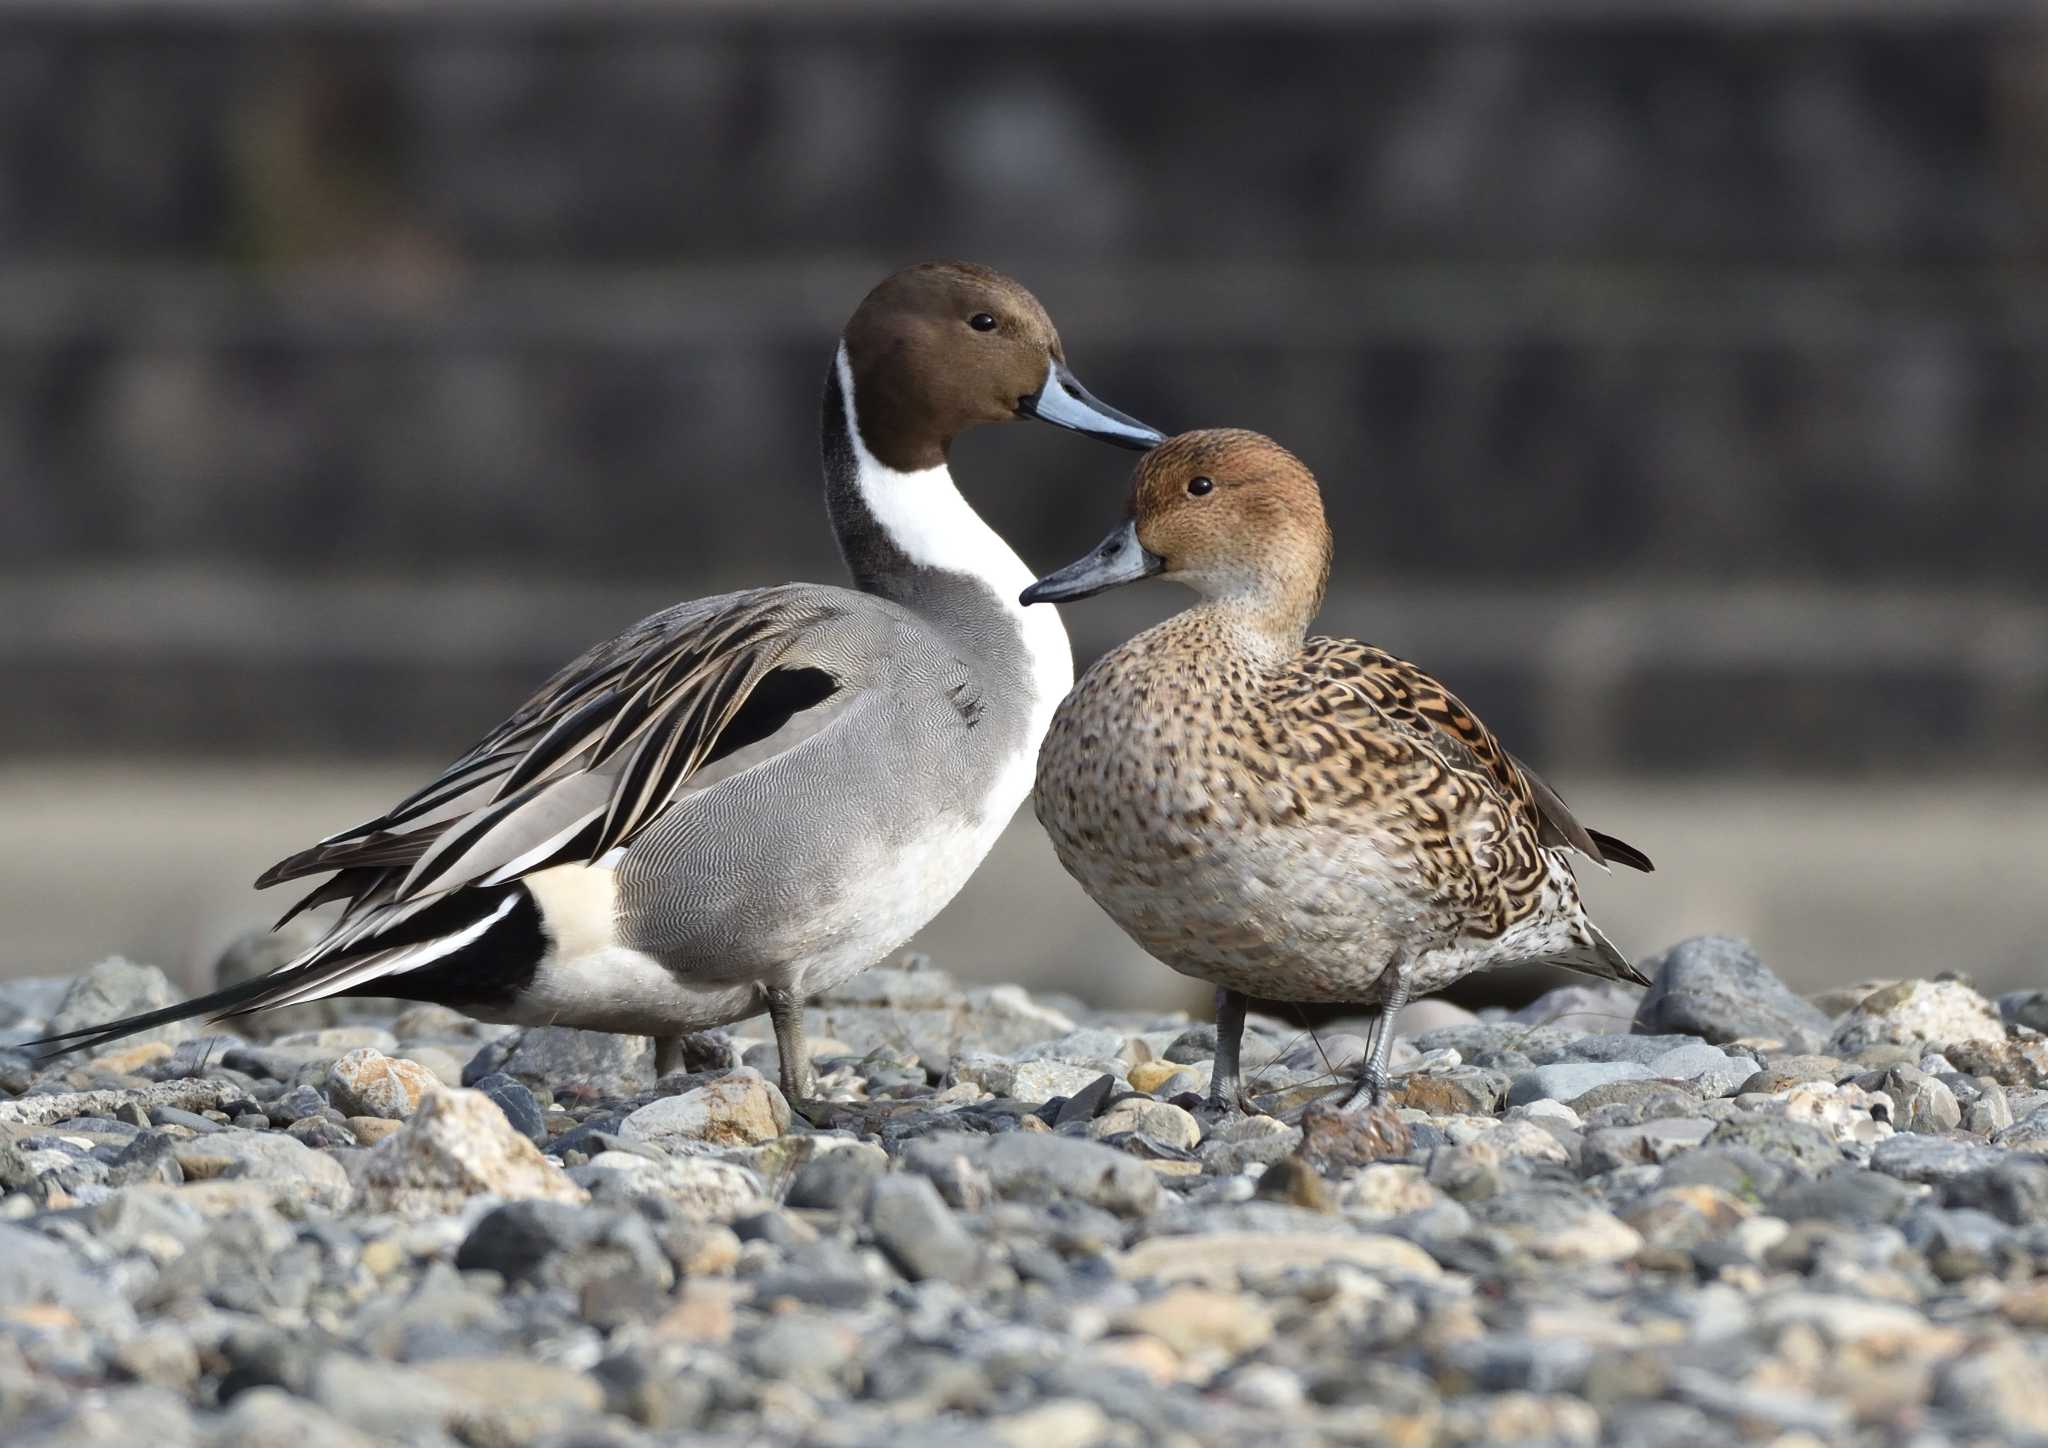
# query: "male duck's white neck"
905,535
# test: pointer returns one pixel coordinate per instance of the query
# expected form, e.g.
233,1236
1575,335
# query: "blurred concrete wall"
1679,375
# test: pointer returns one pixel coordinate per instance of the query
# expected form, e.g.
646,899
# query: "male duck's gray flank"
1305,819
742,800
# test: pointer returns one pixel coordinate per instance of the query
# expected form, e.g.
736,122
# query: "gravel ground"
1718,1213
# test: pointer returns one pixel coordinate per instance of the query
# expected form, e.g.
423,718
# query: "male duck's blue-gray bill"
1118,559
1064,402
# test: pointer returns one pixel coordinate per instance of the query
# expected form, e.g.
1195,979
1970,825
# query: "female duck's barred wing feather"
1404,696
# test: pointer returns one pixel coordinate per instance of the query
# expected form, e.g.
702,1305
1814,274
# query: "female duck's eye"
1200,487
982,322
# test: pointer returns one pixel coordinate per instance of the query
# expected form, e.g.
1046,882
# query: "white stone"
1936,1013
740,1108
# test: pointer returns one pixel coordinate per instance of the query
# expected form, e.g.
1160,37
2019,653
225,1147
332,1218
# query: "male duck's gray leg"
668,1055
786,1014
1373,1076
1224,1084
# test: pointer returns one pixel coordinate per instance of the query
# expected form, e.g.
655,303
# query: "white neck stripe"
925,517
924,514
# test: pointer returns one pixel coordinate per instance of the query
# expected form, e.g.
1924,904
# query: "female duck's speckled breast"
1165,797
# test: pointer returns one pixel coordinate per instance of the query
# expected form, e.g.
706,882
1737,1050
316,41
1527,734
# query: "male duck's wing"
604,746
581,769
1411,700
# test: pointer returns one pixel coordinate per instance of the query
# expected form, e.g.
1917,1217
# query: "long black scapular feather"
1621,852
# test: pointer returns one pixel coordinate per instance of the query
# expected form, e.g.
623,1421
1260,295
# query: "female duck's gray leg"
786,1014
668,1055
1224,1085
1373,1077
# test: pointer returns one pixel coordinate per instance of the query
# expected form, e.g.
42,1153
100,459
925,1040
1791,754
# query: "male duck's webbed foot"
793,1055
1373,1076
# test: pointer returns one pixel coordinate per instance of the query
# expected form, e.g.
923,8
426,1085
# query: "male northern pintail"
741,801
1304,819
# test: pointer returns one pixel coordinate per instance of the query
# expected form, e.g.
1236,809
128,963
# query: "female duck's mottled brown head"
1230,513
943,346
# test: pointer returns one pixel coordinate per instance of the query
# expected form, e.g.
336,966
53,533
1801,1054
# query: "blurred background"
1677,373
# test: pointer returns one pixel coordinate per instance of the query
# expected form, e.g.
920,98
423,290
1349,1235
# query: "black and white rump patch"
473,948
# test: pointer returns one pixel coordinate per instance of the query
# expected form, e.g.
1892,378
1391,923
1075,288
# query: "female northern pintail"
1306,819
743,800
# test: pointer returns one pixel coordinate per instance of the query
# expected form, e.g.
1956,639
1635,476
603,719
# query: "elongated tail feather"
473,946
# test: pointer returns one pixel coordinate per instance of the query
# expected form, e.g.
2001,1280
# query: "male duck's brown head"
938,348
1232,514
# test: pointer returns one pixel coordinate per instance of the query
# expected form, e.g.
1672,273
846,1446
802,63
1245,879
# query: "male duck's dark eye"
1200,487
982,322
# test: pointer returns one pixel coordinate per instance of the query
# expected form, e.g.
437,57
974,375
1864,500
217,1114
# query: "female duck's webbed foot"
1225,1101
1373,1076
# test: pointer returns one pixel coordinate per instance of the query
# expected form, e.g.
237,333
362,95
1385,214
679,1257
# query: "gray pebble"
1935,1160
835,1180
1570,1080
517,1102
556,1057
1711,1071
1065,1271
915,1227
1716,987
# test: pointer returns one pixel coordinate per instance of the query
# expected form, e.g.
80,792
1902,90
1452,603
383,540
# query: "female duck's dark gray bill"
1119,558
1064,402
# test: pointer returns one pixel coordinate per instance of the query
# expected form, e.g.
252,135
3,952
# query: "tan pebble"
1533,1418
519,1400
1685,1216
132,1058
1149,1076
1192,1320
1437,1095
383,1257
715,1253
1160,1121
2026,1306
1147,1355
1387,1189
160,1355
1295,1182
366,1082
457,1147
1526,1141
1216,1258
1450,1321
1063,1423
370,1130
740,1108
1335,1140
703,1313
